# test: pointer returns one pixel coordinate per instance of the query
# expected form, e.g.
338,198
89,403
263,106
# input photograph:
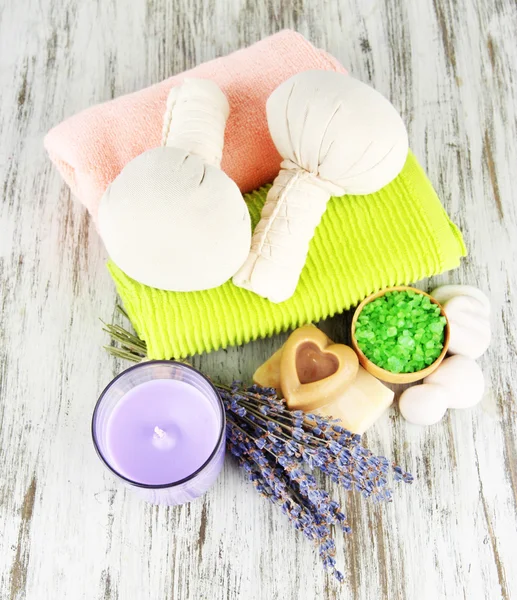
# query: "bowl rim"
384,374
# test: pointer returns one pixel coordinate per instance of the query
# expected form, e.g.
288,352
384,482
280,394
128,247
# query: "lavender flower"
278,449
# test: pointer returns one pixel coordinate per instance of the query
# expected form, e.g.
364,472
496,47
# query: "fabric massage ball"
172,219
336,136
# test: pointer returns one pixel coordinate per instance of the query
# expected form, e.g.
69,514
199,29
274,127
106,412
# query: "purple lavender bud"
329,562
323,531
335,448
298,433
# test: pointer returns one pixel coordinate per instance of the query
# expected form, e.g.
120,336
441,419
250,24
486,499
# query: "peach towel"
91,148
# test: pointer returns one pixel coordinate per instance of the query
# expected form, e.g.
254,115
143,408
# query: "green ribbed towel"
363,243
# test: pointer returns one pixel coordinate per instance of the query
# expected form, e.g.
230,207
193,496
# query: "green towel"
363,243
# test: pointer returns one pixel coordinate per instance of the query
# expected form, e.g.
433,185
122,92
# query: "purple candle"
159,427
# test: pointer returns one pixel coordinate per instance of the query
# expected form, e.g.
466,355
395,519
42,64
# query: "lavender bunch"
278,449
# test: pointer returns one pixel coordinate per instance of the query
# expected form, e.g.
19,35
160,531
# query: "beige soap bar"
268,374
361,404
358,406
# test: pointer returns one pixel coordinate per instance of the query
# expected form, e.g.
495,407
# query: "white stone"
470,331
444,293
423,404
462,380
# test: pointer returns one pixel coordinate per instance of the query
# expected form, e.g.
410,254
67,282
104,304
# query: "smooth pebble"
462,380
423,404
469,322
444,293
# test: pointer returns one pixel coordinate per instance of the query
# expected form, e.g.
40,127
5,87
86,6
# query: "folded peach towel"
91,148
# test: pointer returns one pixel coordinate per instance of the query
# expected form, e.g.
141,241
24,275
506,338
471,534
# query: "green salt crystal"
436,327
407,341
395,364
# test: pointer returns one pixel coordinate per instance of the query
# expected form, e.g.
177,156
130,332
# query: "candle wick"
159,433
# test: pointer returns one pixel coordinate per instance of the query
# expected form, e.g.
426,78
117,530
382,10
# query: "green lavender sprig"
130,347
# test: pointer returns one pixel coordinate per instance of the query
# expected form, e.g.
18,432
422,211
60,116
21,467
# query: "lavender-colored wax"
161,431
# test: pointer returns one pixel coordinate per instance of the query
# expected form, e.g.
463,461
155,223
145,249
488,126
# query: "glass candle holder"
160,428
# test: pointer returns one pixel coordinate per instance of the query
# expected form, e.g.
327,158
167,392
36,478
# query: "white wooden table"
67,530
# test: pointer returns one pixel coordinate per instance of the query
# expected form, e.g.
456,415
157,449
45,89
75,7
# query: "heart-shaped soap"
314,370
312,364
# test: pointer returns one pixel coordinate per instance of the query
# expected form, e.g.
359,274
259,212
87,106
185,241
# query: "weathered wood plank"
67,530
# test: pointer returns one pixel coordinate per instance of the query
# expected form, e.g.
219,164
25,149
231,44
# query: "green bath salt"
401,332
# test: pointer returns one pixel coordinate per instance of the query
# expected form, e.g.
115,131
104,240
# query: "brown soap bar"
313,370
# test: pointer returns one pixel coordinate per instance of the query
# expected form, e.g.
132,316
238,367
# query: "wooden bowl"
383,374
